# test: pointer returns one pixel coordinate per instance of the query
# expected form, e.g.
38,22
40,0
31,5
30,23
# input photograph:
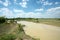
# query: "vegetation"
8,37
2,19
13,31
49,21
20,27
18,32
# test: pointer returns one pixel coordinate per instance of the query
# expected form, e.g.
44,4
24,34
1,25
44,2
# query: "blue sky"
30,8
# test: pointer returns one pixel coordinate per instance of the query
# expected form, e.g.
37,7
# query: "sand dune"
42,31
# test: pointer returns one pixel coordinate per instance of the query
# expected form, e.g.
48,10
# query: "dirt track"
42,31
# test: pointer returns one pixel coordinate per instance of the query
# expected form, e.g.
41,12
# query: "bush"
8,37
58,19
20,28
2,19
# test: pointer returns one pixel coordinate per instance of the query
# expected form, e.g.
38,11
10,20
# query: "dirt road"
42,31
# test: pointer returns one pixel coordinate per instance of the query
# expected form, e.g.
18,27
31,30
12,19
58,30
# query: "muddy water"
42,31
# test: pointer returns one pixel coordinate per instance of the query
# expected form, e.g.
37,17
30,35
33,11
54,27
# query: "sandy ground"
42,31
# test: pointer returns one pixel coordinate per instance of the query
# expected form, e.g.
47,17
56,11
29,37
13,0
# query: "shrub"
2,19
58,19
8,37
20,28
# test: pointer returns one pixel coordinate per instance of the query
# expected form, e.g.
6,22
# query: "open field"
49,21
54,22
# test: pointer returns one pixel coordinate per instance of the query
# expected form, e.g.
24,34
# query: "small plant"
20,28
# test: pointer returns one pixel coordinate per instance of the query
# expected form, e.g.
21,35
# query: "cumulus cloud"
44,2
25,0
54,9
15,0
53,12
1,2
50,13
24,3
21,13
47,3
6,12
56,2
6,3
39,9
34,15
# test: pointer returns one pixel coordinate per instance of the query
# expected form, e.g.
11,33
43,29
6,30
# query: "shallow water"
42,31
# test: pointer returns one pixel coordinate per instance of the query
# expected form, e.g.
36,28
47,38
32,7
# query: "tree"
2,19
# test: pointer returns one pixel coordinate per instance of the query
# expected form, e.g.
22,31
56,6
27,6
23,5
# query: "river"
41,31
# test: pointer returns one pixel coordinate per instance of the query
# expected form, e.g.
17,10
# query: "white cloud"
56,2
15,0
34,15
25,0
47,3
39,9
53,12
50,13
44,2
24,3
6,12
54,9
6,3
1,2
20,11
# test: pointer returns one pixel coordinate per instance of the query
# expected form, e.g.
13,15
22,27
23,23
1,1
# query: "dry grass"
6,28
16,30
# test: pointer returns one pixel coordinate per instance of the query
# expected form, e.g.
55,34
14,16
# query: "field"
49,21
54,22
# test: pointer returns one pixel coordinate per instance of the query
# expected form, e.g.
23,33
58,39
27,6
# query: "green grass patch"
8,37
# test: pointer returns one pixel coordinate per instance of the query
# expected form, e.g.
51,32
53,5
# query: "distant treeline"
33,18
3,19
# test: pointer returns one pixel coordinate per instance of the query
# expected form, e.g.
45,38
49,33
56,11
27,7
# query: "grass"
49,21
12,31
8,37
6,28
54,22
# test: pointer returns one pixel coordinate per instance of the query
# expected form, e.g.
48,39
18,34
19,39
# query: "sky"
30,8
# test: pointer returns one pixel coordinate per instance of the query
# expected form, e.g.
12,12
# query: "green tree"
2,19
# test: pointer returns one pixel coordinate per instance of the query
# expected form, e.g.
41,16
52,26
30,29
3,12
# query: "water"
42,31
